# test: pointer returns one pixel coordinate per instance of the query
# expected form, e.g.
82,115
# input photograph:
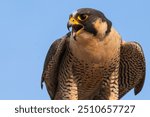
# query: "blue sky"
28,27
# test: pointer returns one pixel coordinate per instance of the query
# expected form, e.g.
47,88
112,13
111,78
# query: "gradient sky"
28,27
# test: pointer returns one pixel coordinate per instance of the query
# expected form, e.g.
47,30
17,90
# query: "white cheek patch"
74,13
101,27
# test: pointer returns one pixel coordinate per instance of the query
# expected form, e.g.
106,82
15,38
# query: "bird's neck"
92,49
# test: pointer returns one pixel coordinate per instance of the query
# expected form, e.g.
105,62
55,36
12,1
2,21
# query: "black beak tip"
68,26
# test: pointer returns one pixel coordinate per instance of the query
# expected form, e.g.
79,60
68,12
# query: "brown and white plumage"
51,65
131,71
132,68
92,62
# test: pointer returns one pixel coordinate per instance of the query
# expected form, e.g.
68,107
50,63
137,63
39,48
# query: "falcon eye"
82,17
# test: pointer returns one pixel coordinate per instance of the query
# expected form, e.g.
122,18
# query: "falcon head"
89,21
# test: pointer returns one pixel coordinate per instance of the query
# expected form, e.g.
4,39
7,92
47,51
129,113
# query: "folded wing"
51,65
132,68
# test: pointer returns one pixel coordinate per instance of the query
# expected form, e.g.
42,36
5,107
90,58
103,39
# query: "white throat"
89,48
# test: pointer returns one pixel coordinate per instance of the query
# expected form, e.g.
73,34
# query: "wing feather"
51,65
132,68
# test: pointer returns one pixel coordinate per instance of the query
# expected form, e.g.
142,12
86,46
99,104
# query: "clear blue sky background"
28,27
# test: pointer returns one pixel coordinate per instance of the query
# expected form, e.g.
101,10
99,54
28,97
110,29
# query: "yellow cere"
72,20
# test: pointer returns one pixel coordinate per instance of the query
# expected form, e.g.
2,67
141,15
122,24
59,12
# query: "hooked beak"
76,26
68,26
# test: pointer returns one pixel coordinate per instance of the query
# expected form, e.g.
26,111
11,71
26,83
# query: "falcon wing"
51,65
132,68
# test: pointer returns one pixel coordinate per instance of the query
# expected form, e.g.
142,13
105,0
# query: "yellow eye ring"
82,17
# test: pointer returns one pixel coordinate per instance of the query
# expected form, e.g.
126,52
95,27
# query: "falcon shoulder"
51,65
132,68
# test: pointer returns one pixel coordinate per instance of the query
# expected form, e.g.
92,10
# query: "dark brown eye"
82,17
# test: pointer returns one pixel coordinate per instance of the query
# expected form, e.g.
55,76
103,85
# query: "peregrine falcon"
92,61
